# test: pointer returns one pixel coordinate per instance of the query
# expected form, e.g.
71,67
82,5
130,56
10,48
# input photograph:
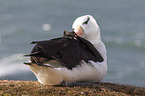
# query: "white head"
87,27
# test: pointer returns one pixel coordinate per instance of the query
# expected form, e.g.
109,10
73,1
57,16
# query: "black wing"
64,50
67,50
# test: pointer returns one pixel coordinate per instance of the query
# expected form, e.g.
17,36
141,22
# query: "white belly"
47,75
85,72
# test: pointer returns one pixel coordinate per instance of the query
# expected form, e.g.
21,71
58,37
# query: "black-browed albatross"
77,56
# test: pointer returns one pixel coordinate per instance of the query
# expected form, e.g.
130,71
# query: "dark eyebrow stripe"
87,21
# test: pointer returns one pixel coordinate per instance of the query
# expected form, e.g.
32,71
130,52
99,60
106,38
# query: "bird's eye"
86,22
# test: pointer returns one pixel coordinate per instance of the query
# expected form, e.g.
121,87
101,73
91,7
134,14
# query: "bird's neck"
100,46
94,40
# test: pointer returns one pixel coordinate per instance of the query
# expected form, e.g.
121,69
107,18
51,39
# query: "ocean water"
122,24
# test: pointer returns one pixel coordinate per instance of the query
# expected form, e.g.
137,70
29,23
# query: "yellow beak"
79,31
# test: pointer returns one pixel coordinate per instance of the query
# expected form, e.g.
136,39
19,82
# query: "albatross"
78,56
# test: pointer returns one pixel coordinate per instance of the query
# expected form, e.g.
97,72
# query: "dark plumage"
68,50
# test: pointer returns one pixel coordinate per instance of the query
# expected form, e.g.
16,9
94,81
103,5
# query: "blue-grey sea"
122,24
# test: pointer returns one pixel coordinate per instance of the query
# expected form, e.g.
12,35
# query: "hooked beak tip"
79,30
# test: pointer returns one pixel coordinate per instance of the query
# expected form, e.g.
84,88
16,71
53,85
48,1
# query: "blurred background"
122,24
